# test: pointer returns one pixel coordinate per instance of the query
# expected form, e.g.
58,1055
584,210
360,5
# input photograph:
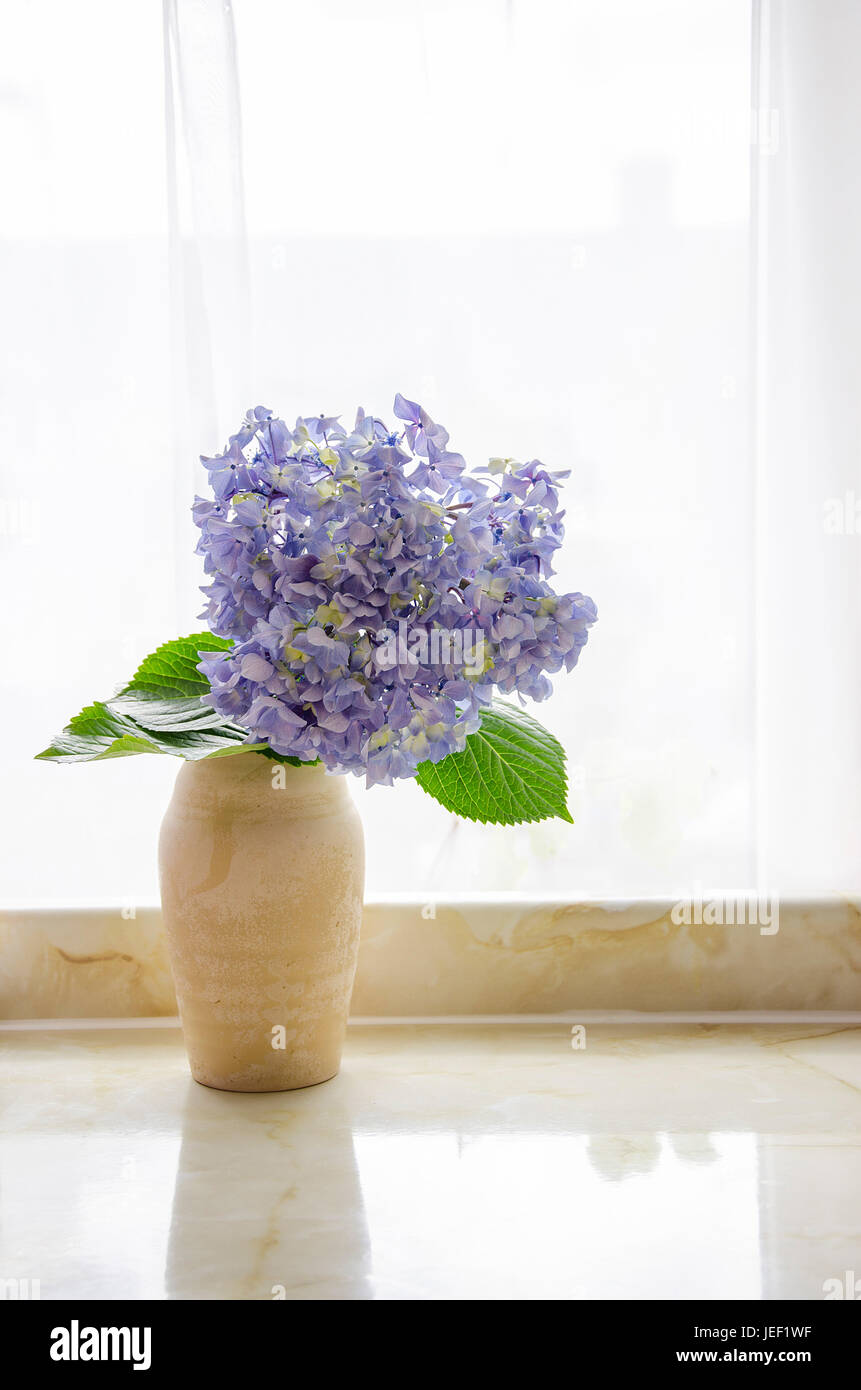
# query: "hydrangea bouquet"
369,599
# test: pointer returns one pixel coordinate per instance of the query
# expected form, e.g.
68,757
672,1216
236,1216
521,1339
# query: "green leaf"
512,770
172,716
97,732
104,731
170,672
159,711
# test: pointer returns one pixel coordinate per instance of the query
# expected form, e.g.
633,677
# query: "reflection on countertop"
448,1160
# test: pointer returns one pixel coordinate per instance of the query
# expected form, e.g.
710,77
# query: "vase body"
262,873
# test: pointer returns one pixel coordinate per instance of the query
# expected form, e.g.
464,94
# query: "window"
534,218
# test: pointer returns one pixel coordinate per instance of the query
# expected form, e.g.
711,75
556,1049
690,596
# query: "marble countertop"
467,1160
493,955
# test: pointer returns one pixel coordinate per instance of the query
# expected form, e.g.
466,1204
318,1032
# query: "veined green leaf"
512,770
170,672
159,711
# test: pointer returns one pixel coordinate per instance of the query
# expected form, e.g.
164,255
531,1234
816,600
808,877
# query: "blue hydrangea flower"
377,593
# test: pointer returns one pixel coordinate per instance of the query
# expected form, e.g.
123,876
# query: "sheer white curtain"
535,218
808,303
87,484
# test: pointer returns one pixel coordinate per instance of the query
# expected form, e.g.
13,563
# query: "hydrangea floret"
376,592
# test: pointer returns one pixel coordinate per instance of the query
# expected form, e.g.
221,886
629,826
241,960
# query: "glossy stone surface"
445,1161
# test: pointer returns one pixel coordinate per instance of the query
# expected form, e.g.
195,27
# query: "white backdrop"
532,217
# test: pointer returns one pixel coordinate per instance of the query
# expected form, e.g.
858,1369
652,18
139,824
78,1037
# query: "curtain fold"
807,297
212,333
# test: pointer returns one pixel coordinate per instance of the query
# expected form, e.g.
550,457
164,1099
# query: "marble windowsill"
489,956
445,1161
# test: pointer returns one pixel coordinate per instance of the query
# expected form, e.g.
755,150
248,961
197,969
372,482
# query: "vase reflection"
267,1202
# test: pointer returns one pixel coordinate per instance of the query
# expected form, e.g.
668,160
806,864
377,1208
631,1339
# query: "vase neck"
252,783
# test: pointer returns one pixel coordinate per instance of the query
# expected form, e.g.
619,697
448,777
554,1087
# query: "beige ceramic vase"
262,871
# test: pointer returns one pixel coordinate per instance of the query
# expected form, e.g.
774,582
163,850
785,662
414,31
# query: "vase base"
263,1087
